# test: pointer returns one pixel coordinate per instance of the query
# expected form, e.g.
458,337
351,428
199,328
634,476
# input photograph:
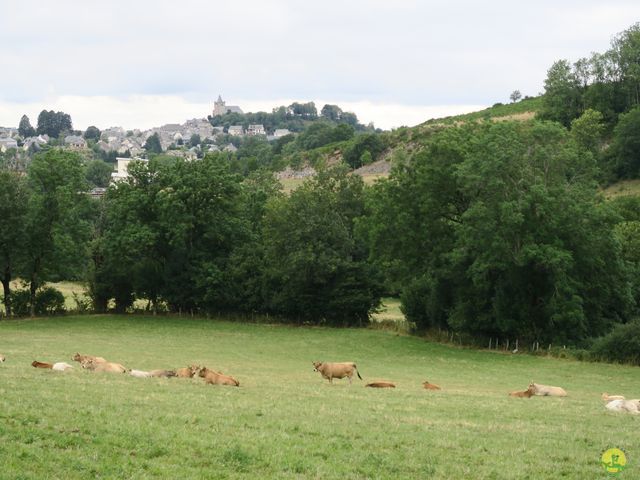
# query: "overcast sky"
143,63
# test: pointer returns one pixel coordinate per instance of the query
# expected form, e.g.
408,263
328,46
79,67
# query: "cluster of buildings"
171,135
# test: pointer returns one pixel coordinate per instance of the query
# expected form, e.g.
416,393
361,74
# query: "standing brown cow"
336,370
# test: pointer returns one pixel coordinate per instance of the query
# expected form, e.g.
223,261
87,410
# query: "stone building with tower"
220,107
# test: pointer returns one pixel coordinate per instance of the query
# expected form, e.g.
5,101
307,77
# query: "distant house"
37,142
97,192
236,130
7,142
75,141
122,168
256,130
217,130
230,148
104,146
281,132
220,108
278,133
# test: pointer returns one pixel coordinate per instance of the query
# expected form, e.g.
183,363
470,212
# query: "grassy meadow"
285,421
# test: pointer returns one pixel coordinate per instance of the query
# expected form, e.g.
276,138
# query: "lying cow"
110,367
336,370
528,393
84,358
162,373
608,398
546,390
381,384
187,372
139,374
217,378
430,386
2,358
58,366
630,406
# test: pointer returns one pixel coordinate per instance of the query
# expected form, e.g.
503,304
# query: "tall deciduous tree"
13,203
98,173
561,101
316,269
331,112
53,123
25,129
56,231
625,148
92,133
152,144
588,130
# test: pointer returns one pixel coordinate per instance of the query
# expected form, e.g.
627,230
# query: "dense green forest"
483,227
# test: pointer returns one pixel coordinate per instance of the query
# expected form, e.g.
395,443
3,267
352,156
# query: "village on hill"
172,136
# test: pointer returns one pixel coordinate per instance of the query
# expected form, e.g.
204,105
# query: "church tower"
218,107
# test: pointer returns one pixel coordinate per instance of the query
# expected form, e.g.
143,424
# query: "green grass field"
285,421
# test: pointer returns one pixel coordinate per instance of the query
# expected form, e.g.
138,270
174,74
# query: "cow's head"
316,366
76,357
88,364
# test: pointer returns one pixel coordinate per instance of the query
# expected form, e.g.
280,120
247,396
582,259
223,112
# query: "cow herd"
99,364
328,370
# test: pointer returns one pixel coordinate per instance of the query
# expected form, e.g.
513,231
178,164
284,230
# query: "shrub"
20,303
49,301
621,345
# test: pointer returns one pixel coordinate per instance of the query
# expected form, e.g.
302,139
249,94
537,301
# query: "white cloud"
402,54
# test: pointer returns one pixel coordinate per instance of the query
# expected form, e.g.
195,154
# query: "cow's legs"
349,377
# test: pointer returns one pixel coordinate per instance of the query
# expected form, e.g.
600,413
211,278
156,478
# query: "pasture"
285,421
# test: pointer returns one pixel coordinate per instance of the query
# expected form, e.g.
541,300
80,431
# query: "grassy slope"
411,139
623,188
284,421
509,110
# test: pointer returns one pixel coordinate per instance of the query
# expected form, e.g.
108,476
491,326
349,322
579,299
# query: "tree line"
492,230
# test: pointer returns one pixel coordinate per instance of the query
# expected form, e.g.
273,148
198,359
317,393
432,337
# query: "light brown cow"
110,367
430,386
381,384
83,358
187,372
162,373
608,398
528,393
336,370
217,378
2,358
547,391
